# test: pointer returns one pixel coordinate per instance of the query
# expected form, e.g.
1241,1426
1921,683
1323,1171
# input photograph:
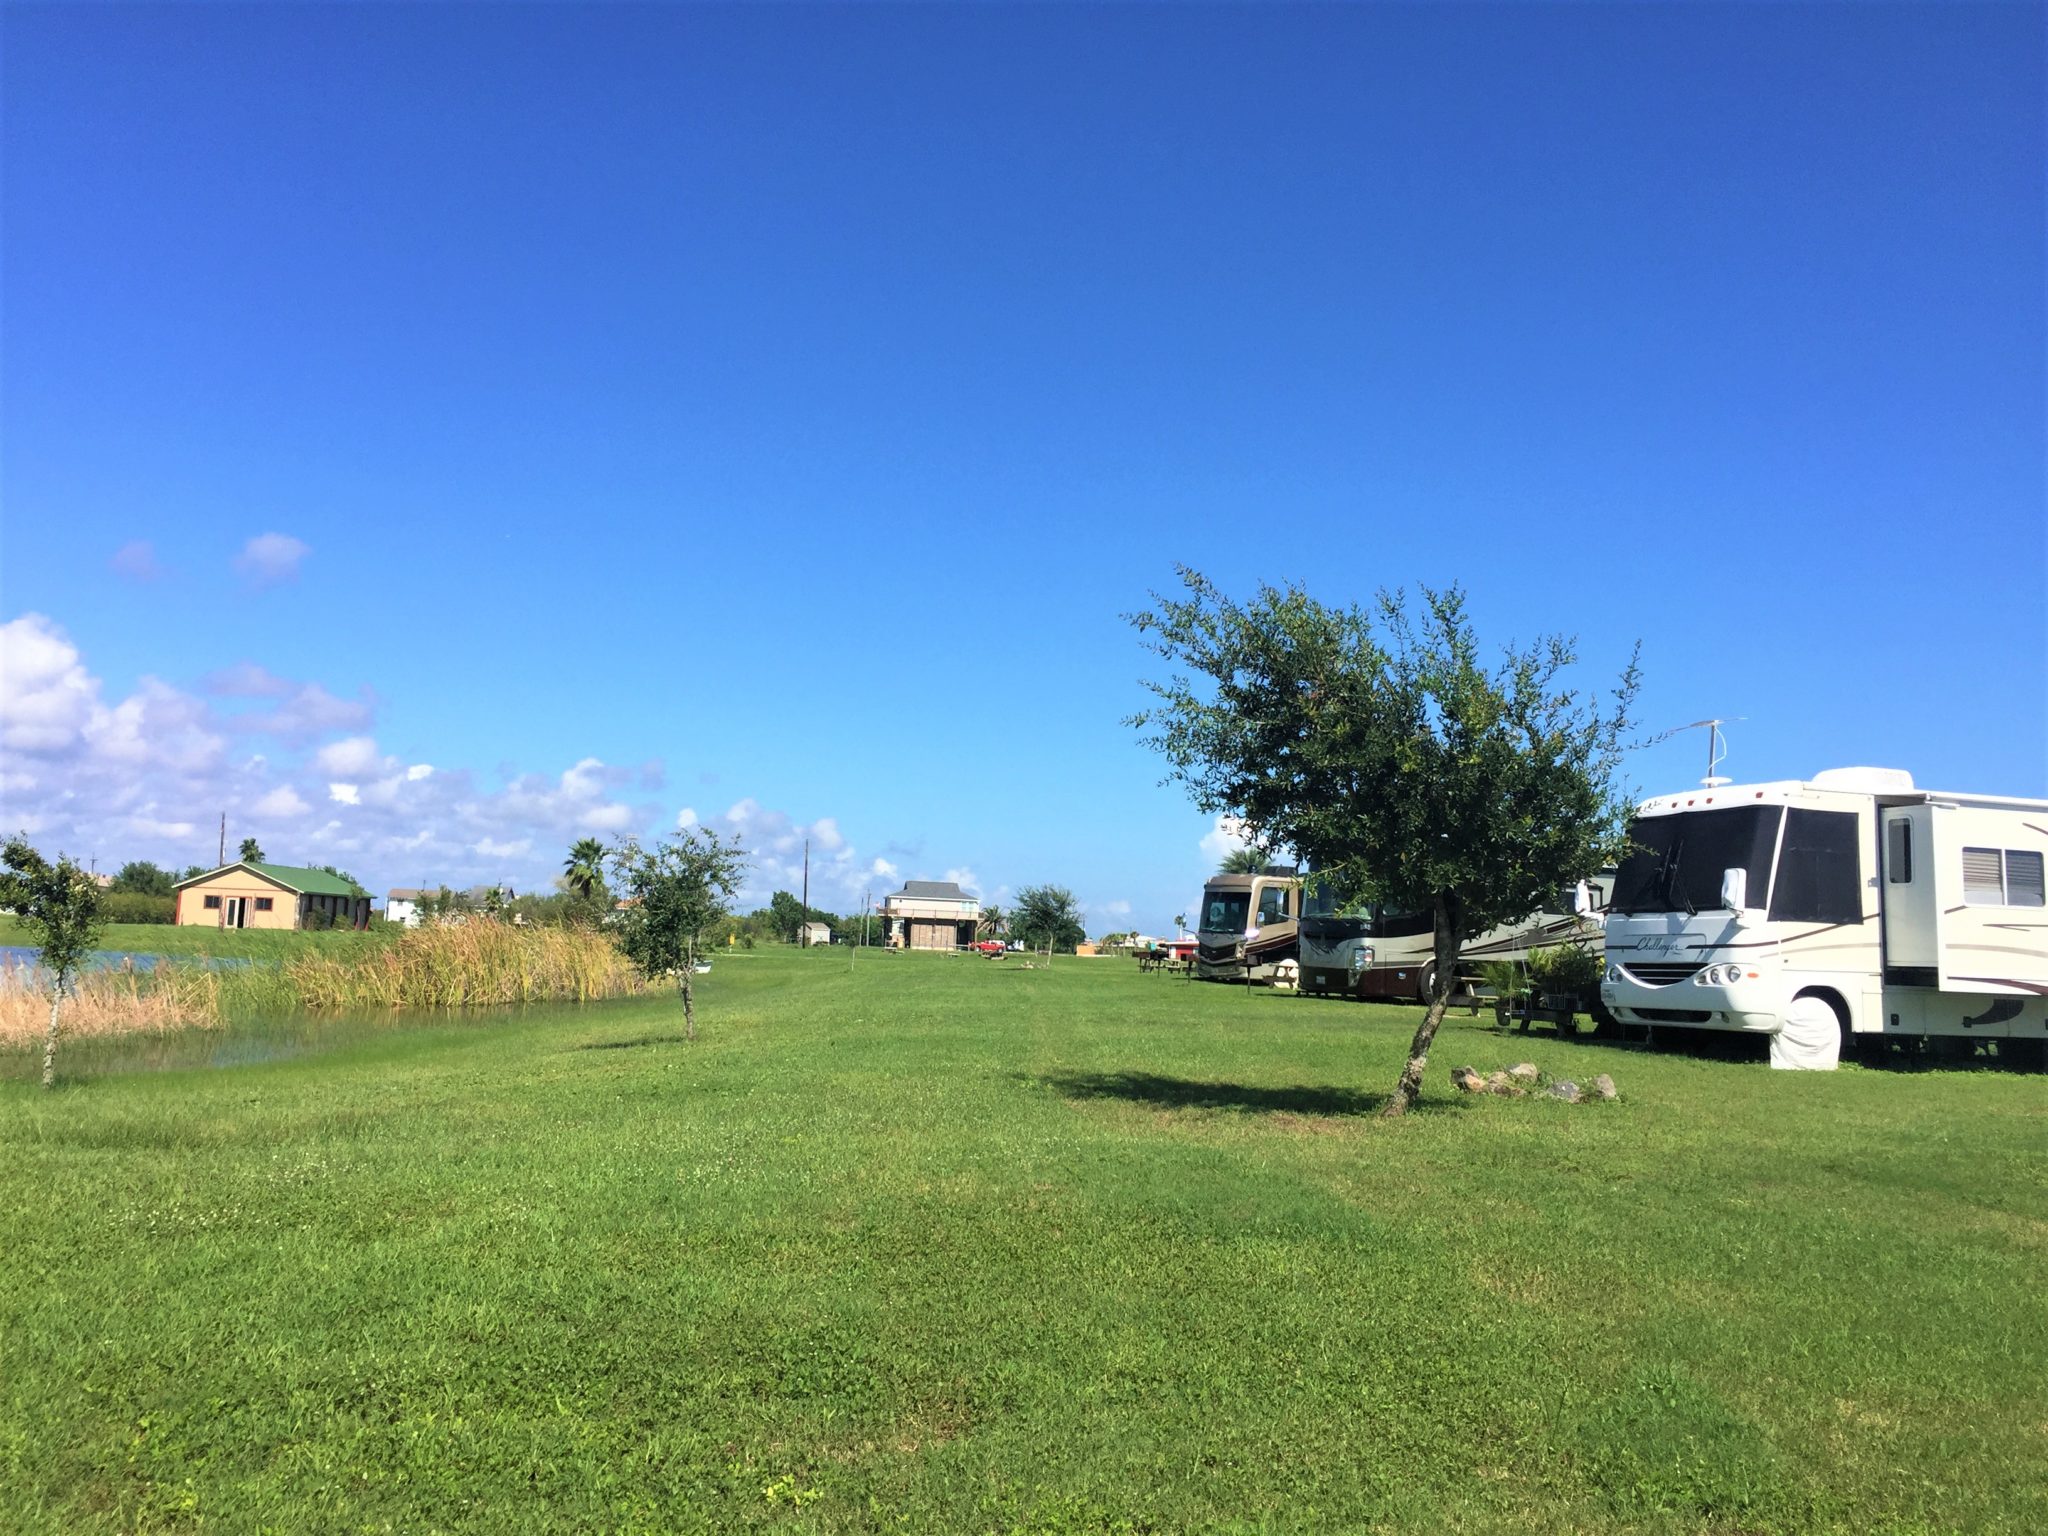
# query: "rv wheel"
1425,986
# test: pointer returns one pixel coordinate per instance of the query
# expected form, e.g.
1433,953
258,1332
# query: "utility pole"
223,839
803,932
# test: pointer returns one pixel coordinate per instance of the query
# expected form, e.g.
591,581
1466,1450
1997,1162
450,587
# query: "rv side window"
1819,876
1898,857
2023,883
1273,904
1983,878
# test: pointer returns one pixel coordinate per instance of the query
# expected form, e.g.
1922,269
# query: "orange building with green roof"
250,895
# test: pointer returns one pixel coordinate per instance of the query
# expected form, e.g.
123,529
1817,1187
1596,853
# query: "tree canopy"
251,851
1379,746
139,877
59,904
1046,916
676,892
1243,861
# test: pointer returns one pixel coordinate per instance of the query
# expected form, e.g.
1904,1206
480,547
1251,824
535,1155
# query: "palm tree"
252,851
1180,924
583,870
1243,861
992,918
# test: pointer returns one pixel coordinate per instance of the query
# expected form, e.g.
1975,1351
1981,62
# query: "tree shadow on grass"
1190,1093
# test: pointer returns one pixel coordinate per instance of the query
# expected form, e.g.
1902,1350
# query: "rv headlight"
1614,973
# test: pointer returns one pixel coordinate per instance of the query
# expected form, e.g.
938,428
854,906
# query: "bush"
129,907
1565,970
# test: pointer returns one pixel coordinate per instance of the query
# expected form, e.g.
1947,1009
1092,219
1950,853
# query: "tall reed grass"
466,965
118,1001
479,963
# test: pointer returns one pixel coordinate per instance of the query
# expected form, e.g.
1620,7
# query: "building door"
232,910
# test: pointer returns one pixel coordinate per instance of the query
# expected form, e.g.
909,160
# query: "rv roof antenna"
1717,746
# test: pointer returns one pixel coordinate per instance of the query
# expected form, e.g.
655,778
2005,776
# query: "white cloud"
352,755
270,558
46,695
137,561
1223,839
148,775
965,878
245,680
282,801
1110,908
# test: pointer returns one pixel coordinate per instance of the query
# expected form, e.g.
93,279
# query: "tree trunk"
689,1001
50,1040
1446,978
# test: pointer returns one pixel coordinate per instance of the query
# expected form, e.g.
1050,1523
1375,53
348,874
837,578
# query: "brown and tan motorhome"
1249,924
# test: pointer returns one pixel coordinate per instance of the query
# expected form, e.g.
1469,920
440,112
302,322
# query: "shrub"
133,907
1565,970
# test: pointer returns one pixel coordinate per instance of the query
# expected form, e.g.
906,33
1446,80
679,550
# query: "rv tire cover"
1810,1039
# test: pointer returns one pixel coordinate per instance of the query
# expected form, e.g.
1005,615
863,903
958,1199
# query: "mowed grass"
951,1246
193,940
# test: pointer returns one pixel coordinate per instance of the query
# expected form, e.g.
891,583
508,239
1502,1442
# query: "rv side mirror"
1734,889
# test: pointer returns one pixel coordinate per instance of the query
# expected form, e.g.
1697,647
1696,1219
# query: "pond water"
249,1042
24,957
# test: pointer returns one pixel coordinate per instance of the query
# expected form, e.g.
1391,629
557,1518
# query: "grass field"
217,943
952,1246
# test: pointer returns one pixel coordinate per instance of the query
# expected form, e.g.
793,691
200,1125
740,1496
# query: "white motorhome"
1815,911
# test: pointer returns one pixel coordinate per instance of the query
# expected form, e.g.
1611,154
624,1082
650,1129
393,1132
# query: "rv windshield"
1225,911
1674,863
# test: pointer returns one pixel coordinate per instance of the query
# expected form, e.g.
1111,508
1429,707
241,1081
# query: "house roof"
933,890
406,893
307,882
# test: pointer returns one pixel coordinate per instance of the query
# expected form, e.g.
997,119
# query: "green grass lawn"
952,1246
216,943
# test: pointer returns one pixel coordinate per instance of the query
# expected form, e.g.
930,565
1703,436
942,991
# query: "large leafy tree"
139,877
59,905
677,892
785,915
1046,917
1379,745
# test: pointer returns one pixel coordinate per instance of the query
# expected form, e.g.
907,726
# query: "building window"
262,903
212,903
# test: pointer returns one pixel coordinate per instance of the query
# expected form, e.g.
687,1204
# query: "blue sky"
770,411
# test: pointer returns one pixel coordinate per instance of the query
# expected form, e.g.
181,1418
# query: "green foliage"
121,906
57,904
785,916
1379,747
1243,861
962,1248
142,878
251,851
583,870
1506,980
1565,970
680,890
1047,915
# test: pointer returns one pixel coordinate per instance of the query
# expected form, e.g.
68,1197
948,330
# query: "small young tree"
1047,916
678,891
1380,748
59,905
